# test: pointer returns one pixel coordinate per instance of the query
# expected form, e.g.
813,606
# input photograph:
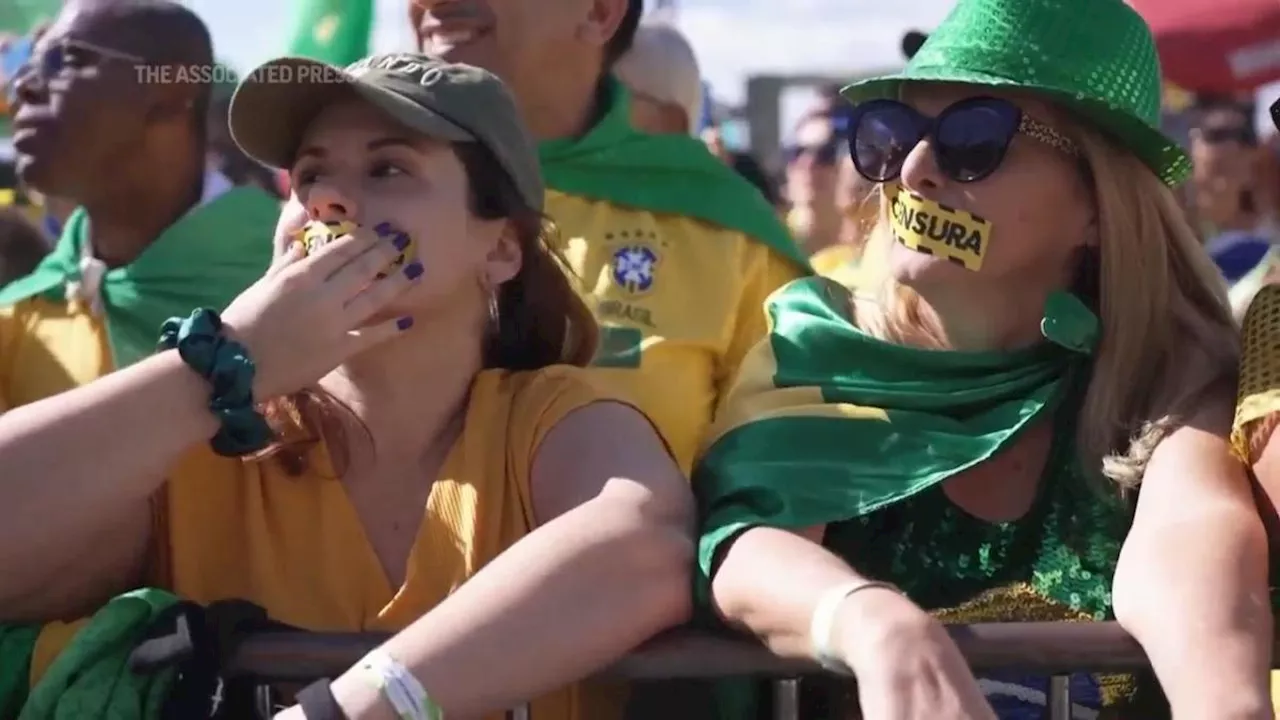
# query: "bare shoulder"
1194,462
606,447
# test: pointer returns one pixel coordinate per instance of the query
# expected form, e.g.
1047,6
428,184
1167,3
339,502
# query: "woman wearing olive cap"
1025,419
423,411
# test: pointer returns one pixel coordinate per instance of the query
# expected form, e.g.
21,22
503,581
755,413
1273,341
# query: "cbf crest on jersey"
635,262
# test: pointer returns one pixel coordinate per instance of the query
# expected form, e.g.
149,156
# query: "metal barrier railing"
1053,649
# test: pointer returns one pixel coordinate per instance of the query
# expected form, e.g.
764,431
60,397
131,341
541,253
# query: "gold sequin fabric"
1037,130
1258,402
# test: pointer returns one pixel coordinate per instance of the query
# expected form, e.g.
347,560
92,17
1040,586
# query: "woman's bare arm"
608,567
79,468
1191,585
771,581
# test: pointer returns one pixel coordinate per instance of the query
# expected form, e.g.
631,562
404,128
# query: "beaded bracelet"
226,365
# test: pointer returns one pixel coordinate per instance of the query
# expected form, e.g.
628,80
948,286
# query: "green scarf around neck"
669,174
205,259
827,423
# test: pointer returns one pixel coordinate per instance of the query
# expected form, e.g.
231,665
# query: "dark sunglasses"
71,54
969,138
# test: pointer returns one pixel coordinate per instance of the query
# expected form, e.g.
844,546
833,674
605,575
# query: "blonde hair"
1168,337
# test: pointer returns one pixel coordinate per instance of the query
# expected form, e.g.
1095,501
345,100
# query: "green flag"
332,31
19,17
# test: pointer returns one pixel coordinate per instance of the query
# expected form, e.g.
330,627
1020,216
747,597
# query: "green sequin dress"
1053,564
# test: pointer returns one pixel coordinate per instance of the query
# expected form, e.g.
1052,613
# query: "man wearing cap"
105,118
677,251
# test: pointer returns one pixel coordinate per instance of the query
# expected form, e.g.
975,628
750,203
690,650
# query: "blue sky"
733,38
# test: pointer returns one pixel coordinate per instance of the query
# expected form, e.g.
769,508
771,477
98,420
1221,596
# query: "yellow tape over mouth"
928,227
316,234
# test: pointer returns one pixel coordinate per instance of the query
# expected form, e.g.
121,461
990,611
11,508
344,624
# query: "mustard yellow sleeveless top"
294,545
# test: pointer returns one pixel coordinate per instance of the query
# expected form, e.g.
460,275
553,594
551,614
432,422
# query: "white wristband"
823,621
399,687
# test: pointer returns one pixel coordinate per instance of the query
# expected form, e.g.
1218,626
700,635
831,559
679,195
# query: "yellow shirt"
49,347
680,302
295,546
838,262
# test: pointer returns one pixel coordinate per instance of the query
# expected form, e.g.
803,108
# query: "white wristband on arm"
823,622
399,687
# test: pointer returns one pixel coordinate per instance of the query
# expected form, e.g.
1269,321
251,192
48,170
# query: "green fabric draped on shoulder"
205,259
669,174
827,423
17,644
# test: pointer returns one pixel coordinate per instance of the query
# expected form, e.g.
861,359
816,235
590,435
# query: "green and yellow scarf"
671,174
827,423
205,259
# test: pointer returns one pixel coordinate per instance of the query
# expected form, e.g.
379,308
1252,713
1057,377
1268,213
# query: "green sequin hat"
1094,57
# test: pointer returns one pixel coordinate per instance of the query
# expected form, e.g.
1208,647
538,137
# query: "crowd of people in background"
1232,195
501,349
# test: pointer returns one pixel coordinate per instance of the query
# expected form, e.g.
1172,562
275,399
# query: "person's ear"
601,21
504,258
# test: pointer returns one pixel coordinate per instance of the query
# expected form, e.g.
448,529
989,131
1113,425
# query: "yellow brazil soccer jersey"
49,347
680,302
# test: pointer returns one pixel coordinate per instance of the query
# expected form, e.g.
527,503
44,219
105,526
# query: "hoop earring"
495,314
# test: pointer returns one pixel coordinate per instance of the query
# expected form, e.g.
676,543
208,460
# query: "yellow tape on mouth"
316,234
928,227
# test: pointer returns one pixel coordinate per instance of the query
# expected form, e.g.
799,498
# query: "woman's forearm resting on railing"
770,583
559,605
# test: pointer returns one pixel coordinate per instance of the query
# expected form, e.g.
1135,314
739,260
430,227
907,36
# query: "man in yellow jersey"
111,113
677,251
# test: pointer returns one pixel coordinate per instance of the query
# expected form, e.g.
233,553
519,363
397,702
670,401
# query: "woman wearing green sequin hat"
1037,374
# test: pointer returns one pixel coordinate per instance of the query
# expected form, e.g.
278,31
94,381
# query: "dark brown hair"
540,320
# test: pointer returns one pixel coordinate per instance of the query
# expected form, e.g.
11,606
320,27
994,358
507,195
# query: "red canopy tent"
1219,46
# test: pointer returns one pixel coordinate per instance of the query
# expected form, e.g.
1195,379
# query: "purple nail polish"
404,323
413,270
383,228
401,241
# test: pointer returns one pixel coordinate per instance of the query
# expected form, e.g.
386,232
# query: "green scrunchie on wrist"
226,365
